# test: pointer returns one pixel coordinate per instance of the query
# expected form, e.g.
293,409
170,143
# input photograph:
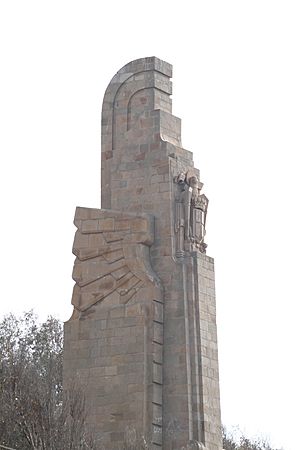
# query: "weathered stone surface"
143,333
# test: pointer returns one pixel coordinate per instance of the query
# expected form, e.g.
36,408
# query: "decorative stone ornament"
191,210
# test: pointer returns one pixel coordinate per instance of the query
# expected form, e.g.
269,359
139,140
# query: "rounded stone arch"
140,86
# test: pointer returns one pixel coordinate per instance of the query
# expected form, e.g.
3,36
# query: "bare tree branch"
7,448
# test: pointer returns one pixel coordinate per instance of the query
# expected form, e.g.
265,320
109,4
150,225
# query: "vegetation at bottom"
238,441
35,413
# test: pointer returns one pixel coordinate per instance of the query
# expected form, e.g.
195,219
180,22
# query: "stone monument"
142,339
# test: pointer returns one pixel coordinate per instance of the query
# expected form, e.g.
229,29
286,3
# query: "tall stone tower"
142,338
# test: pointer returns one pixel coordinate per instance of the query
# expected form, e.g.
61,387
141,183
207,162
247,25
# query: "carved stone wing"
112,254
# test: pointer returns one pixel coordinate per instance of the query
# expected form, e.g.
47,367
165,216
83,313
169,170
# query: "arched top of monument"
136,117
143,73
141,65
139,87
144,64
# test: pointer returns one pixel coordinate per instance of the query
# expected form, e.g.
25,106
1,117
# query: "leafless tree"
241,442
33,413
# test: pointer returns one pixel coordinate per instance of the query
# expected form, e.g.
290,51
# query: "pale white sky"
236,89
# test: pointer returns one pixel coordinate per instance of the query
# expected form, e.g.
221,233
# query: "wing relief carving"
112,256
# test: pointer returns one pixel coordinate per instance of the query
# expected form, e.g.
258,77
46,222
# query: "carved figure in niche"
191,210
197,212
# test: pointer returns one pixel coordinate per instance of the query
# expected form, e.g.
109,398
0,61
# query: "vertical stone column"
144,299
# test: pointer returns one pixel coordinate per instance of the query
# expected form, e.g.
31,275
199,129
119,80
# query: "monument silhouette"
142,339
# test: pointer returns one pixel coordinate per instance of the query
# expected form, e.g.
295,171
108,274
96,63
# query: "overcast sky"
236,88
